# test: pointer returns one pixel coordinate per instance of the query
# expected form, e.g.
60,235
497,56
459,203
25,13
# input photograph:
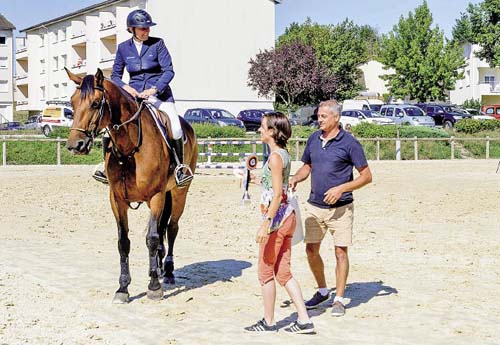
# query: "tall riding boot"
100,175
182,172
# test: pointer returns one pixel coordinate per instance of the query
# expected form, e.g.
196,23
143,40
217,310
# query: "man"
329,158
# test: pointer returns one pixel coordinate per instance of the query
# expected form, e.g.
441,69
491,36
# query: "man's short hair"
332,105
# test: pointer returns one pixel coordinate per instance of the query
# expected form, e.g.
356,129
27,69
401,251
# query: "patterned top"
267,193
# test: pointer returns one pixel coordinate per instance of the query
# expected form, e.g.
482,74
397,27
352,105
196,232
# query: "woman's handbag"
298,234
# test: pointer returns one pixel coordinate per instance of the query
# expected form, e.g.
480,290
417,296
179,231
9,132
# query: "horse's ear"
99,77
74,77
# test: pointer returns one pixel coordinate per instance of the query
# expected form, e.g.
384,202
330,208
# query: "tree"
462,30
292,73
483,19
426,64
341,48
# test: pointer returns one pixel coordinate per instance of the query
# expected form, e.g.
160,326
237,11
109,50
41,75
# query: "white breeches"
171,111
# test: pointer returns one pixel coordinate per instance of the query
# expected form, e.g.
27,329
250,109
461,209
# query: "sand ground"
424,267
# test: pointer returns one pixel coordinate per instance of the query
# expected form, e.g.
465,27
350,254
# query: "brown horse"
138,169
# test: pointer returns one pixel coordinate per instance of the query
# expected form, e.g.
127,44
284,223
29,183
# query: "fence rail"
294,143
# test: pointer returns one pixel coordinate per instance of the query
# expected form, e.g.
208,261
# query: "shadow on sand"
199,274
358,293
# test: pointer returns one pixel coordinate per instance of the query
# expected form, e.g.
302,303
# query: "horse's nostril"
76,145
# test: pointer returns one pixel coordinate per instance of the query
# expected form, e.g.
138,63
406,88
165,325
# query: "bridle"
95,122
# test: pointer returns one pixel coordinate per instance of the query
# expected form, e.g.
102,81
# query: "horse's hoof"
155,295
121,298
169,280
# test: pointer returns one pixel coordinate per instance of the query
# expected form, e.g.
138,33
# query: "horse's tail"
167,212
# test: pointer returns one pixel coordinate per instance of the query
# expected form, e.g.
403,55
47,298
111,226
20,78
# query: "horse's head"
89,105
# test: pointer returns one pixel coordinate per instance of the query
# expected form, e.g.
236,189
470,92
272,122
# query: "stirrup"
100,176
186,178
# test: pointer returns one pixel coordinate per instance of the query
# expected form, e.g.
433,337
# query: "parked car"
404,114
362,104
493,110
33,122
305,116
355,117
474,114
442,114
216,116
11,126
251,118
56,114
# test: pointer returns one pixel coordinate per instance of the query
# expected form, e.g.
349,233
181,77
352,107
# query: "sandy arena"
424,266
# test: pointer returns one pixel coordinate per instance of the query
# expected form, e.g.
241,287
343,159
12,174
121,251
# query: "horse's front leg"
120,209
154,246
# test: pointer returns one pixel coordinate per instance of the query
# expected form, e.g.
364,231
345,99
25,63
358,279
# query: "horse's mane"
87,86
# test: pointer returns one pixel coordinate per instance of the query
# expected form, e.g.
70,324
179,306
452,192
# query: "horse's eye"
95,104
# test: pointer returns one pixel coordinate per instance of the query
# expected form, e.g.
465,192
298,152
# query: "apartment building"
371,79
481,82
6,65
211,43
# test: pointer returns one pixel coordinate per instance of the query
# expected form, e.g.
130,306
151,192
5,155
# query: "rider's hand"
131,90
149,92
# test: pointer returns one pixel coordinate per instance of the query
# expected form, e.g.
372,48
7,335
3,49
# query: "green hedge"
472,126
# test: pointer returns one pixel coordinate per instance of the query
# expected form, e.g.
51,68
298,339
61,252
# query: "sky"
380,14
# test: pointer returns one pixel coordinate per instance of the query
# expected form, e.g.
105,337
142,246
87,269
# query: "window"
4,86
64,61
2,40
62,34
489,111
398,112
489,79
3,62
64,90
42,66
56,91
56,62
42,93
42,40
390,111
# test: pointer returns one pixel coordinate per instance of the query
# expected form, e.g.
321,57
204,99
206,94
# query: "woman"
149,65
275,233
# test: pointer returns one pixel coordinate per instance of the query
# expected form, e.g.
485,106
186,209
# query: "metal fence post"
415,146
452,145
4,151
378,149
487,147
296,148
58,151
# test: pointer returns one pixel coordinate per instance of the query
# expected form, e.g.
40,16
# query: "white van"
56,114
362,104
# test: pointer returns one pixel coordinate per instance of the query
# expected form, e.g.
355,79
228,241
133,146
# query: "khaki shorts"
336,220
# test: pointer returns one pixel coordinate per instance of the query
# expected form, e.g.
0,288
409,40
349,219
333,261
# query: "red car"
493,110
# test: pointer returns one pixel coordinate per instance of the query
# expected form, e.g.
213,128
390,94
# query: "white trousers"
169,108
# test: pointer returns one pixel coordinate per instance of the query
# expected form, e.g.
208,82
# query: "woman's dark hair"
282,130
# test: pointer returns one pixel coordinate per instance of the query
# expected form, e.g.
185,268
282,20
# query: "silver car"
404,114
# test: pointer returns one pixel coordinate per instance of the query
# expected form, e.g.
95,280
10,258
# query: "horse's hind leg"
178,202
120,211
154,246
162,229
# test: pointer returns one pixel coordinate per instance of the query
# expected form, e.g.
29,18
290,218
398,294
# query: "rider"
149,65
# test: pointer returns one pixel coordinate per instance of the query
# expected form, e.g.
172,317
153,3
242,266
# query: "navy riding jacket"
152,67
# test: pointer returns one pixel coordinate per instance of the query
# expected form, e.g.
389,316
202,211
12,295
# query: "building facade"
373,85
211,43
6,70
481,82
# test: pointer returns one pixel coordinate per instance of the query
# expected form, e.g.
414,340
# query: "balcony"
79,66
21,79
490,88
78,38
107,62
108,29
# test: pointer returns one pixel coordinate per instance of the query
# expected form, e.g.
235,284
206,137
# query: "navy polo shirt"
332,165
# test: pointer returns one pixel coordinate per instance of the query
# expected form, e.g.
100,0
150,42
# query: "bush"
213,131
369,130
471,126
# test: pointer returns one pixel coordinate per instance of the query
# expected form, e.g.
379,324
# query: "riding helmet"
139,19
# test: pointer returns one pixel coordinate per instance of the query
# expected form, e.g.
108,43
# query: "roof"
72,14
5,24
